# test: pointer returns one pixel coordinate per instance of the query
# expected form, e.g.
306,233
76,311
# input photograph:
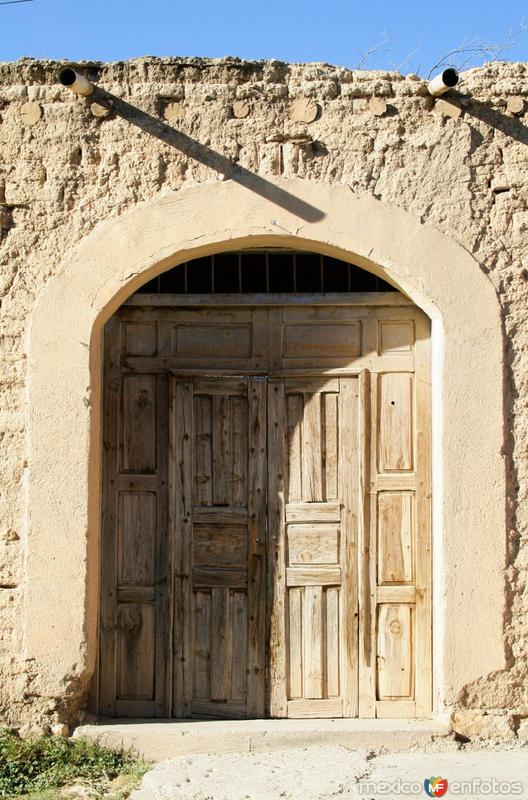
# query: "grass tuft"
50,762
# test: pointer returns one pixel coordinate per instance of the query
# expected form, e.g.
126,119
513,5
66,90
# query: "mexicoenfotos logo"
435,787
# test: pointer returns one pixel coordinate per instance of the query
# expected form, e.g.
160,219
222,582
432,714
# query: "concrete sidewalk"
324,772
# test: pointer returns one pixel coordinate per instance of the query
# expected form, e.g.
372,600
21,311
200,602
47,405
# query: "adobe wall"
459,168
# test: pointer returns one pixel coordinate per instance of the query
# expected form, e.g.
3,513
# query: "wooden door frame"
366,556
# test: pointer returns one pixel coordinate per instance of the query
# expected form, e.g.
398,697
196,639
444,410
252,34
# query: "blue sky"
413,36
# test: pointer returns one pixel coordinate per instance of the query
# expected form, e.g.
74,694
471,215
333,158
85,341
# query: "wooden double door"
265,542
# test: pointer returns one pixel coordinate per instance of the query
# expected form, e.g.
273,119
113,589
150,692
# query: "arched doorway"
266,494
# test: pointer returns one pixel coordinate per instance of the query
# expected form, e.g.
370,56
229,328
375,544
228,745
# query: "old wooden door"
217,488
266,508
316,434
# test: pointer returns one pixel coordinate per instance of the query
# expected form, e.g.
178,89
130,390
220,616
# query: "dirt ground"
320,773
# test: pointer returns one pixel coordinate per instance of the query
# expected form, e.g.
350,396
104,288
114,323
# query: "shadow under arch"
64,369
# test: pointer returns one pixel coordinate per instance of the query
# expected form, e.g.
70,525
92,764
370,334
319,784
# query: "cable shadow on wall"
211,158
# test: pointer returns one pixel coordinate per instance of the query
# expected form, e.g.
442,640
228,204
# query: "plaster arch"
64,363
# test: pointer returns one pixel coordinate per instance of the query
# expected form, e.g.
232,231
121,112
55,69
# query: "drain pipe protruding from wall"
443,82
76,82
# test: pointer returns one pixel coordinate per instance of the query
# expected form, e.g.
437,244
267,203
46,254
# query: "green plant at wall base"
45,762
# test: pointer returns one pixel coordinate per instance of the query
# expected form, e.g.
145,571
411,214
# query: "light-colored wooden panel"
220,645
313,633
423,625
138,445
221,455
227,341
394,481
295,640
140,338
327,339
104,688
137,538
256,563
219,546
294,410
311,384
239,645
396,709
330,446
277,550
137,483
207,577
238,468
396,594
207,709
395,652
395,336
349,468
313,576
203,452
136,626
180,525
312,457
313,512
332,639
315,709
312,544
207,515
226,387
202,645
395,422
395,537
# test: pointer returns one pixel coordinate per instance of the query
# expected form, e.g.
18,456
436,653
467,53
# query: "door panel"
219,428
313,565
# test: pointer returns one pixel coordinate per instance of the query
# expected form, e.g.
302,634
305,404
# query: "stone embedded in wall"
100,109
303,109
515,105
240,109
448,108
378,106
30,113
174,111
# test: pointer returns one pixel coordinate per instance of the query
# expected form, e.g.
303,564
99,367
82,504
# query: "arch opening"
64,379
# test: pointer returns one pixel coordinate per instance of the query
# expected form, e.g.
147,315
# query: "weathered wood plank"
203,452
312,457
367,544
294,411
257,545
312,544
423,631
106,689
313,512
295,638
395,652
277,550
330,446
180,525
238,468
313,633
313,576
315,709
221,656
221,447
332,642
202,645
348,478
395,537
395,423
239,646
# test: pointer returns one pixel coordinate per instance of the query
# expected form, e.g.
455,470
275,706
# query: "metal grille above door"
265,272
